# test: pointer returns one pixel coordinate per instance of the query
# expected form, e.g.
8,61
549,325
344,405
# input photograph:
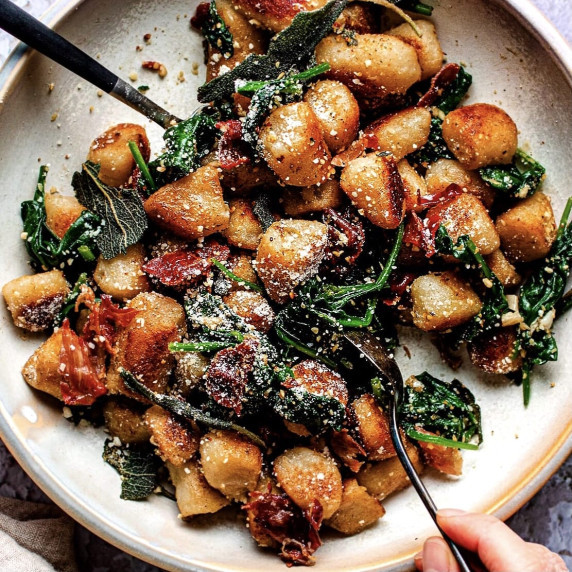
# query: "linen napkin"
35,537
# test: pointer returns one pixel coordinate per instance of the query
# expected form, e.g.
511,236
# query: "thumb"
498,547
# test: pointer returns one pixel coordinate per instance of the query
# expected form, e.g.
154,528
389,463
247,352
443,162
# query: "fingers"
436,557
498,547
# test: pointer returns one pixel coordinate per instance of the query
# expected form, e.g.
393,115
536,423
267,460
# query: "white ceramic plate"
518,62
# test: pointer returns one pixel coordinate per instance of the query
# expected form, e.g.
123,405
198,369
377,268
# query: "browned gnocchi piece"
289,253
383,478
247,39
297,201
243,179
124,420
374,186
466,215
426,45
447,460
442,300
292,144
143,346
480,134
177,441
111,151
244,229
503,269
306,475
122,276
42,370
242,266
528,229
357,511
61,212
315,379
189,371
194,495
400,133
376,66
231,463
373,427
275,14
337,111
252,307
494,352
192,207
35,300
445,172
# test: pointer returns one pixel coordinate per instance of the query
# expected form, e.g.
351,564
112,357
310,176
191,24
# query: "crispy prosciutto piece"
104,320
186,267
81,384
346,238
201,15
294,529
421,232
444,77
228,374
232,150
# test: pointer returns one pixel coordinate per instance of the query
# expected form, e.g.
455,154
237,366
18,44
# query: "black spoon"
32,32
371,349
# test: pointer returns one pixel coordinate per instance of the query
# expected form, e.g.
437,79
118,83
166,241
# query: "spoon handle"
37,35
461,555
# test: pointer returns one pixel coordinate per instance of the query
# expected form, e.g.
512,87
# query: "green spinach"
45,249
186,143
518,180
447,409
538,298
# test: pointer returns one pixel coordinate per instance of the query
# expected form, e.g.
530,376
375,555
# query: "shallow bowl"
518,62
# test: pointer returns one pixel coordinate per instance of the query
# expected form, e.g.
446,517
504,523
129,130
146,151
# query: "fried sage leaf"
121,210
137,467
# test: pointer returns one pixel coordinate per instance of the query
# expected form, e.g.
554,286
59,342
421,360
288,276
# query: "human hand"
499,548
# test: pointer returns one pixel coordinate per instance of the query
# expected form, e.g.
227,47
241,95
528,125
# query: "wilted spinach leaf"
186,144
290,50
71,298
538,297
447,409
518,180
45,249
121,210
137,467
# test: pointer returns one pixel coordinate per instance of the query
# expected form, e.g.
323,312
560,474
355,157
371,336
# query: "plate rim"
560,52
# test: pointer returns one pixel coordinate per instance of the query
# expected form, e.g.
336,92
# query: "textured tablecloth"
546,519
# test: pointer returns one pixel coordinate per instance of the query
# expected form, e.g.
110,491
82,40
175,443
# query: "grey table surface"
546,518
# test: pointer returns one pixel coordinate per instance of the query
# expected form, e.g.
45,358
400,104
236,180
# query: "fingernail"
436,556
447,512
